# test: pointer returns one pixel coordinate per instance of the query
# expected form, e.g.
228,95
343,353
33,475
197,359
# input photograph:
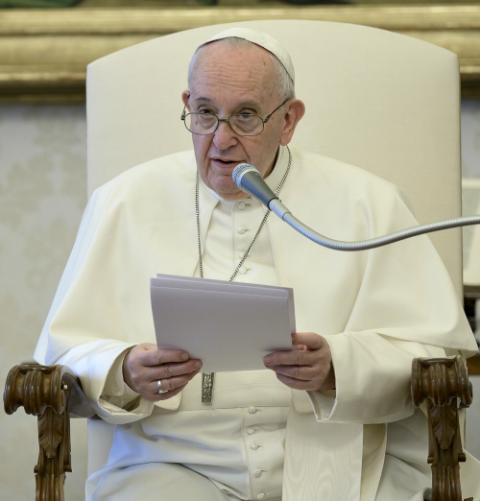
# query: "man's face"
228,79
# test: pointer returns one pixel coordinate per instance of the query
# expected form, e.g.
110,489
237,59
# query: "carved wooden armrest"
443,383
48,393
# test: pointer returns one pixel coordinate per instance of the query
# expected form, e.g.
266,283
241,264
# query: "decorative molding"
471,291
43,53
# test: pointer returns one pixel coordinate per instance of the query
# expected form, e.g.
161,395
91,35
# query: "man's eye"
206,112
246,115
204,119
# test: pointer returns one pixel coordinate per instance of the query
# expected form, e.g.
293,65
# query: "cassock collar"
209,199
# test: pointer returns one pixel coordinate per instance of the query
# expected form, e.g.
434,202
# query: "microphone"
248,179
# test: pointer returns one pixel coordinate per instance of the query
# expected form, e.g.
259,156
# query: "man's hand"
146,363
306,366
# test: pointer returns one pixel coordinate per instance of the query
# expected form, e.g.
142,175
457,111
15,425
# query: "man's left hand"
306,366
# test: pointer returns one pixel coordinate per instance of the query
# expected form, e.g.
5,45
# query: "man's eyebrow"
245,104
249,104
201,99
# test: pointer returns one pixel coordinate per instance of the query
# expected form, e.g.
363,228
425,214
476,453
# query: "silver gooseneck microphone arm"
248,179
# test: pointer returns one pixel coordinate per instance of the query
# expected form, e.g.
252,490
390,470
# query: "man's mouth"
225,163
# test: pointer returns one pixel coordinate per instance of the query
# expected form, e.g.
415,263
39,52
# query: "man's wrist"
329,384
125,371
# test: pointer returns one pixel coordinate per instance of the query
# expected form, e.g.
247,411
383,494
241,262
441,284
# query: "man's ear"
185,98
294,113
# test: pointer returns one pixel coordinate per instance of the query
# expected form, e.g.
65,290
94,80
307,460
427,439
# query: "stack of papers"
230,326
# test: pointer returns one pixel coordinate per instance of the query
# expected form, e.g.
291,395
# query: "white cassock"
377,310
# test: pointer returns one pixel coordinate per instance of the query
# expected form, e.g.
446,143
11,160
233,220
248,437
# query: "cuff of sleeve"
118,403
115,390
323,404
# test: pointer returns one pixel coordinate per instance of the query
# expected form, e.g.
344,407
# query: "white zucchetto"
261,39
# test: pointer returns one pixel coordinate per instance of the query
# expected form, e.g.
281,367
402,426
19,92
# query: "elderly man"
331,419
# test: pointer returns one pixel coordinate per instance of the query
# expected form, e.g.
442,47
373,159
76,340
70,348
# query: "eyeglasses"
245,123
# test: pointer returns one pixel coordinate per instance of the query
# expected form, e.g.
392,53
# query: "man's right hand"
146,363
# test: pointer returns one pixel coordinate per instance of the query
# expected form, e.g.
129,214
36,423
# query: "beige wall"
42,193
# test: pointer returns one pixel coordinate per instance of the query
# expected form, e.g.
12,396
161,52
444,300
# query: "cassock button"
252,410
260,495
254,446
242,230
241,205
250,431
258,473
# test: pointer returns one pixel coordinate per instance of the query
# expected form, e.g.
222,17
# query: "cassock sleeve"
86,328
406,307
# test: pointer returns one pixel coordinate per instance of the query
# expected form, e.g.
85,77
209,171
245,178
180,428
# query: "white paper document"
230,326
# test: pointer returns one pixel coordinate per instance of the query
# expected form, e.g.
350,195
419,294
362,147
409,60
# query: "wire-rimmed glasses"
245,123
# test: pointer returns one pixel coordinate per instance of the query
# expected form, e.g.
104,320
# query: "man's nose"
224,137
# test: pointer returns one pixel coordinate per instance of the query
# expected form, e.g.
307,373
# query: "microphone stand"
284,214
248,179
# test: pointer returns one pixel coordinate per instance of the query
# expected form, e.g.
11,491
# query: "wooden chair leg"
44,392
444,384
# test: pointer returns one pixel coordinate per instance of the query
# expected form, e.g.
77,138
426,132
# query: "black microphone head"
240,170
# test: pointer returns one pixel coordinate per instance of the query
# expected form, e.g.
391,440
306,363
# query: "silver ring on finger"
160,389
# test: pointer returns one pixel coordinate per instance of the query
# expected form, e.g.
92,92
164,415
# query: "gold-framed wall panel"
43,54
144,20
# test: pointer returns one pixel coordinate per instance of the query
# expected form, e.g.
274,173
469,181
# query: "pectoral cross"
207,387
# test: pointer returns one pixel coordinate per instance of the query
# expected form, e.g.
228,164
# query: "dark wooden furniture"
471,294
52,394
444,386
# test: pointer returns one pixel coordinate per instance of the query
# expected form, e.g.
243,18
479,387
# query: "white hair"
285,85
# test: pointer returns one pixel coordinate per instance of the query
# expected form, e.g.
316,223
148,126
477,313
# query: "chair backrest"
386,102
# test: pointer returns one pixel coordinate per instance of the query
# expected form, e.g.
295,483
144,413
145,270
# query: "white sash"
323,461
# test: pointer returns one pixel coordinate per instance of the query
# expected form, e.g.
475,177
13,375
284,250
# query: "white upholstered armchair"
383,101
